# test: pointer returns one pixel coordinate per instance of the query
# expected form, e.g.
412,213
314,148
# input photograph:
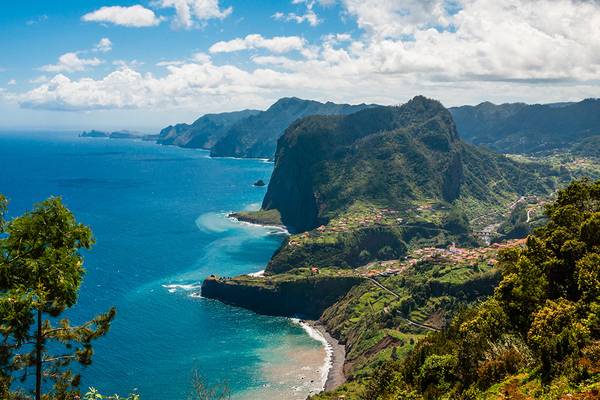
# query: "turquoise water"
158,215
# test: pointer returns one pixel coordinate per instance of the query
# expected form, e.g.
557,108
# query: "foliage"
522,128
40,274
542,318
94,394
257,135
393,157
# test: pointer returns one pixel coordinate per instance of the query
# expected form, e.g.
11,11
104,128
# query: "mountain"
396,157
256,136
522,128
204,132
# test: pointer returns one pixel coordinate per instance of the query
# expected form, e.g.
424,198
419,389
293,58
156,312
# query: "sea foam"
316,335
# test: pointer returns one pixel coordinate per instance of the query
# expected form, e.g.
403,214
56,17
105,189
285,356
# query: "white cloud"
277,44
190,12
309,16
104,45
12,82
393,18
135,16
70,62
515,50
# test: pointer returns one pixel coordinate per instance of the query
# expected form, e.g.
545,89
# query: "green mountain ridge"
256,136
204,132
523,128
393,157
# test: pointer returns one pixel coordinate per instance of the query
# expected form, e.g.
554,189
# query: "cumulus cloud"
127,88
393,18
104,45
12,82
71,62
191,12
277,44
135,16
525,50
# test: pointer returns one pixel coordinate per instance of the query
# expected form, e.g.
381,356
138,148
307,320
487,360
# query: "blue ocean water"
158,215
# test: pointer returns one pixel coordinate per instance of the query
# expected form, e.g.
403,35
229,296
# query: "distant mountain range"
203,133
248,133
523,128
505,128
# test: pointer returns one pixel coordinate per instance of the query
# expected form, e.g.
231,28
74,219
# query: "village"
451,255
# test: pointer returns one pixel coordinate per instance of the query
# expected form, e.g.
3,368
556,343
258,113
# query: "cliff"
256,136
299,293
388,156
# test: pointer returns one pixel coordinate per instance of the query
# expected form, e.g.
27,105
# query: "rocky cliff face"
256,136
383,155
389,156
305,298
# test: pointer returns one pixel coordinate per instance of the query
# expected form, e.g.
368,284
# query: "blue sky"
143,64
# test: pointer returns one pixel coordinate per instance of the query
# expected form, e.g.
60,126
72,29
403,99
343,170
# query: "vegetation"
390,157
538,336
380,325
204,132
257,135
40,275
522,128
262,217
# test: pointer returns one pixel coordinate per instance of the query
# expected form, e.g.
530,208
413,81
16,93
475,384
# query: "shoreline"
335,356
281,229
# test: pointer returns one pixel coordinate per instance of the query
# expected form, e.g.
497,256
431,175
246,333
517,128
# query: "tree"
41,272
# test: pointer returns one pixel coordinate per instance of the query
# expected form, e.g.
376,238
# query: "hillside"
256,136
522,128
391,157
536,337
204,132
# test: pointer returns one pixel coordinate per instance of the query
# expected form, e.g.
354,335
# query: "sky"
145,64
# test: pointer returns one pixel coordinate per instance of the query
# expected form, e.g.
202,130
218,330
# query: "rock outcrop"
305,297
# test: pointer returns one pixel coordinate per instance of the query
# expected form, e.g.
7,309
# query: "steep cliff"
256,136
387,156
297,294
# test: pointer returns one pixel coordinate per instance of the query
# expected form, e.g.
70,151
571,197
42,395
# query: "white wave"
316,335
214,222
174,287
257,274
272,229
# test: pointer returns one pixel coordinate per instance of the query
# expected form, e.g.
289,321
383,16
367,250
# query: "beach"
336,355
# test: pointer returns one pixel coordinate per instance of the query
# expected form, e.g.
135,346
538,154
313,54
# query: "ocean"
159,218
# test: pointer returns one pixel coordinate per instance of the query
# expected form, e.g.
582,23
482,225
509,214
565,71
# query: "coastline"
335,358
280,229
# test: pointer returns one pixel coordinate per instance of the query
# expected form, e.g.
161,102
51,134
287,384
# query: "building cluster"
451,255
